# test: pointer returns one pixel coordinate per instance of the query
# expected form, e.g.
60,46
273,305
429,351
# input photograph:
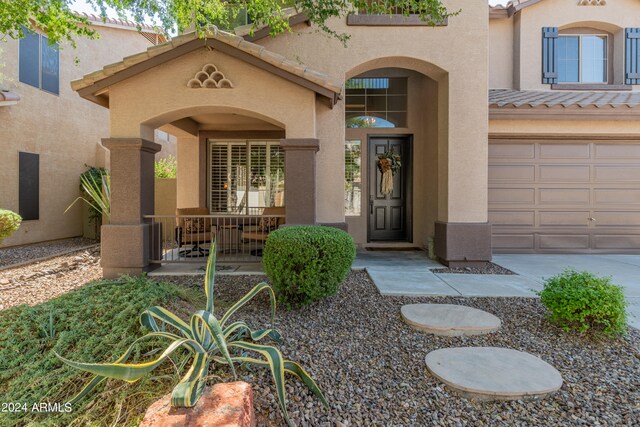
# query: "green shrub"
9,223
580,300
307,263
167,167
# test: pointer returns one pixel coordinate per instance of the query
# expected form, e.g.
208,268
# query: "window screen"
29,186
39,63
582,59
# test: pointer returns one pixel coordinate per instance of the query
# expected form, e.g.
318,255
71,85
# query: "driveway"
623,269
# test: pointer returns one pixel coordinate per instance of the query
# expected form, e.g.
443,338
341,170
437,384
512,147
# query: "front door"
389,216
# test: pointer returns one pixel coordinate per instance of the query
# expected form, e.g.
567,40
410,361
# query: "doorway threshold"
391,246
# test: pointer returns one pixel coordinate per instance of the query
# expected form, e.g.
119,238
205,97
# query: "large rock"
223,405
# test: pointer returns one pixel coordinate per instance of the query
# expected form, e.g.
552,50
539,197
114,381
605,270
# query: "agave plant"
208,340
99,192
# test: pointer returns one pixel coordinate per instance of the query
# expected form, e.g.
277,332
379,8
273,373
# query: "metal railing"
188,238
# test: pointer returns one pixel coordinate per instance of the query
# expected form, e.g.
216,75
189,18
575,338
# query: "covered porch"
245,123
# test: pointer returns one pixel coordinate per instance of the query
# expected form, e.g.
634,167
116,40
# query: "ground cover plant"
9,223
307,263
92,323
582,301
208,341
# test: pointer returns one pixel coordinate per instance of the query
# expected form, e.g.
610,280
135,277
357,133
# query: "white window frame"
268,143
606,58
347,142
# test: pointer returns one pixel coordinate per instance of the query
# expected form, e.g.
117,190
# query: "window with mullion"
582,58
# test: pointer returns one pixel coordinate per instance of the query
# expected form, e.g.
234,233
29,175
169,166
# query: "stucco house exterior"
47,132
564,128
481,171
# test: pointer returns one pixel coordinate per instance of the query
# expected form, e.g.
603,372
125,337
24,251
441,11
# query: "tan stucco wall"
64,130
603,127
612,18
138,106
461,72
501,53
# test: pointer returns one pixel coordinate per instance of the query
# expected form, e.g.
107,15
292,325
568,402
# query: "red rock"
223,405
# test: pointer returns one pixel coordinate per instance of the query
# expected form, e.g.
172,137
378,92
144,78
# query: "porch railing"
188,238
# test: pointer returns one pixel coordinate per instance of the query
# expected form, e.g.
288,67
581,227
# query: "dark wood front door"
389,215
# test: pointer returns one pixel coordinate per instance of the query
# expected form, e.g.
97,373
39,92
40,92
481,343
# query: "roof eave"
574,112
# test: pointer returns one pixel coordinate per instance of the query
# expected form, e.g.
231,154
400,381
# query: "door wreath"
389,163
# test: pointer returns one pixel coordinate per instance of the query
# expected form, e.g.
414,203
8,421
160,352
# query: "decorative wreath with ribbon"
389,164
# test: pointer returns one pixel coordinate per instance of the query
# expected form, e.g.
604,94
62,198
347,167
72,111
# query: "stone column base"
125,249
460,244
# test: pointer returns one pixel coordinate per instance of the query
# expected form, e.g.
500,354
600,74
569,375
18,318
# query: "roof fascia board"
263,32
564,136
564,113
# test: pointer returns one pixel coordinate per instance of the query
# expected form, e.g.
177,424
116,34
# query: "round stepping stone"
449,319
492,373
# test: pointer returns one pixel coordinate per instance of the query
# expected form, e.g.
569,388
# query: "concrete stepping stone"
449,319
493,373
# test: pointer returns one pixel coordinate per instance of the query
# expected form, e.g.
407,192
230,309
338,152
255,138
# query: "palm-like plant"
208,340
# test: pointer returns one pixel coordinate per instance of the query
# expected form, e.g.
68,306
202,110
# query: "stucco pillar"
125,245
300,179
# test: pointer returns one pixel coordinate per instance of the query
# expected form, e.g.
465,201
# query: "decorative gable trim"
592,2
210,78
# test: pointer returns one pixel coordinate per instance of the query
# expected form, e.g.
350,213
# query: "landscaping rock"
492,373
449,319
223,405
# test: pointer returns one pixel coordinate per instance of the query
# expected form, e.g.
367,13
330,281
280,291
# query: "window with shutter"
245,176
549,55
632,56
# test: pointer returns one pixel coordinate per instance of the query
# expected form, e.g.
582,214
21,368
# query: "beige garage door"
563,196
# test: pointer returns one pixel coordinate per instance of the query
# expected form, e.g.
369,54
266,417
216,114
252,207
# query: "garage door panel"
617,219
559,197
512,151
580,219
566,241
564,173
513,241
512,195
617,151
620,196
512,173
524,218
571,196
564,151
619,173
617,241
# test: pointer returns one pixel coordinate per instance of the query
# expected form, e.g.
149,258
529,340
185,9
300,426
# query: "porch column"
125,244
300,179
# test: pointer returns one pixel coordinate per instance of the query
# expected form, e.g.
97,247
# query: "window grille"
353,178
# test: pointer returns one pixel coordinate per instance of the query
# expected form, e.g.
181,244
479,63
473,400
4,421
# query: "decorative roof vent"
592,2
210,78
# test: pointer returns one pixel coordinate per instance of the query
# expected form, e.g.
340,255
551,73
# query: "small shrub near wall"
307,263
9,223
579,300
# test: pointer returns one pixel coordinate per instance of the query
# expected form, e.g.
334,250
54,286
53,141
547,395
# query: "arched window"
376,102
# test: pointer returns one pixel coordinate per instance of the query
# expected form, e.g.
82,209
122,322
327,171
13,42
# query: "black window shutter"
29,186
632,56
29,58
549,55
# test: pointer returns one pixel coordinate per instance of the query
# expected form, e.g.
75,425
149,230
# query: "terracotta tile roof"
229,39
510,98
511,8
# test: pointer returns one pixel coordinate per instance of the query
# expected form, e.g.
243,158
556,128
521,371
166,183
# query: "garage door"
564,196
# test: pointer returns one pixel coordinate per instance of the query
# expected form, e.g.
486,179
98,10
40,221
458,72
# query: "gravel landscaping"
489,268
20,254
372,370
371,365
39,282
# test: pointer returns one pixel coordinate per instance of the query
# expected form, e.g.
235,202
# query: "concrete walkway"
408,273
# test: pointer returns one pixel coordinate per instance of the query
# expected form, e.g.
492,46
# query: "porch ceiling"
95,86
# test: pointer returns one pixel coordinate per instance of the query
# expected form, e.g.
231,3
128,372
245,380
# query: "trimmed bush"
579,300
9,223
307,263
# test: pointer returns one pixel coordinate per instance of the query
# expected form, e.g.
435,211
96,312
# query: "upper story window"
376,102
39,62
582,58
